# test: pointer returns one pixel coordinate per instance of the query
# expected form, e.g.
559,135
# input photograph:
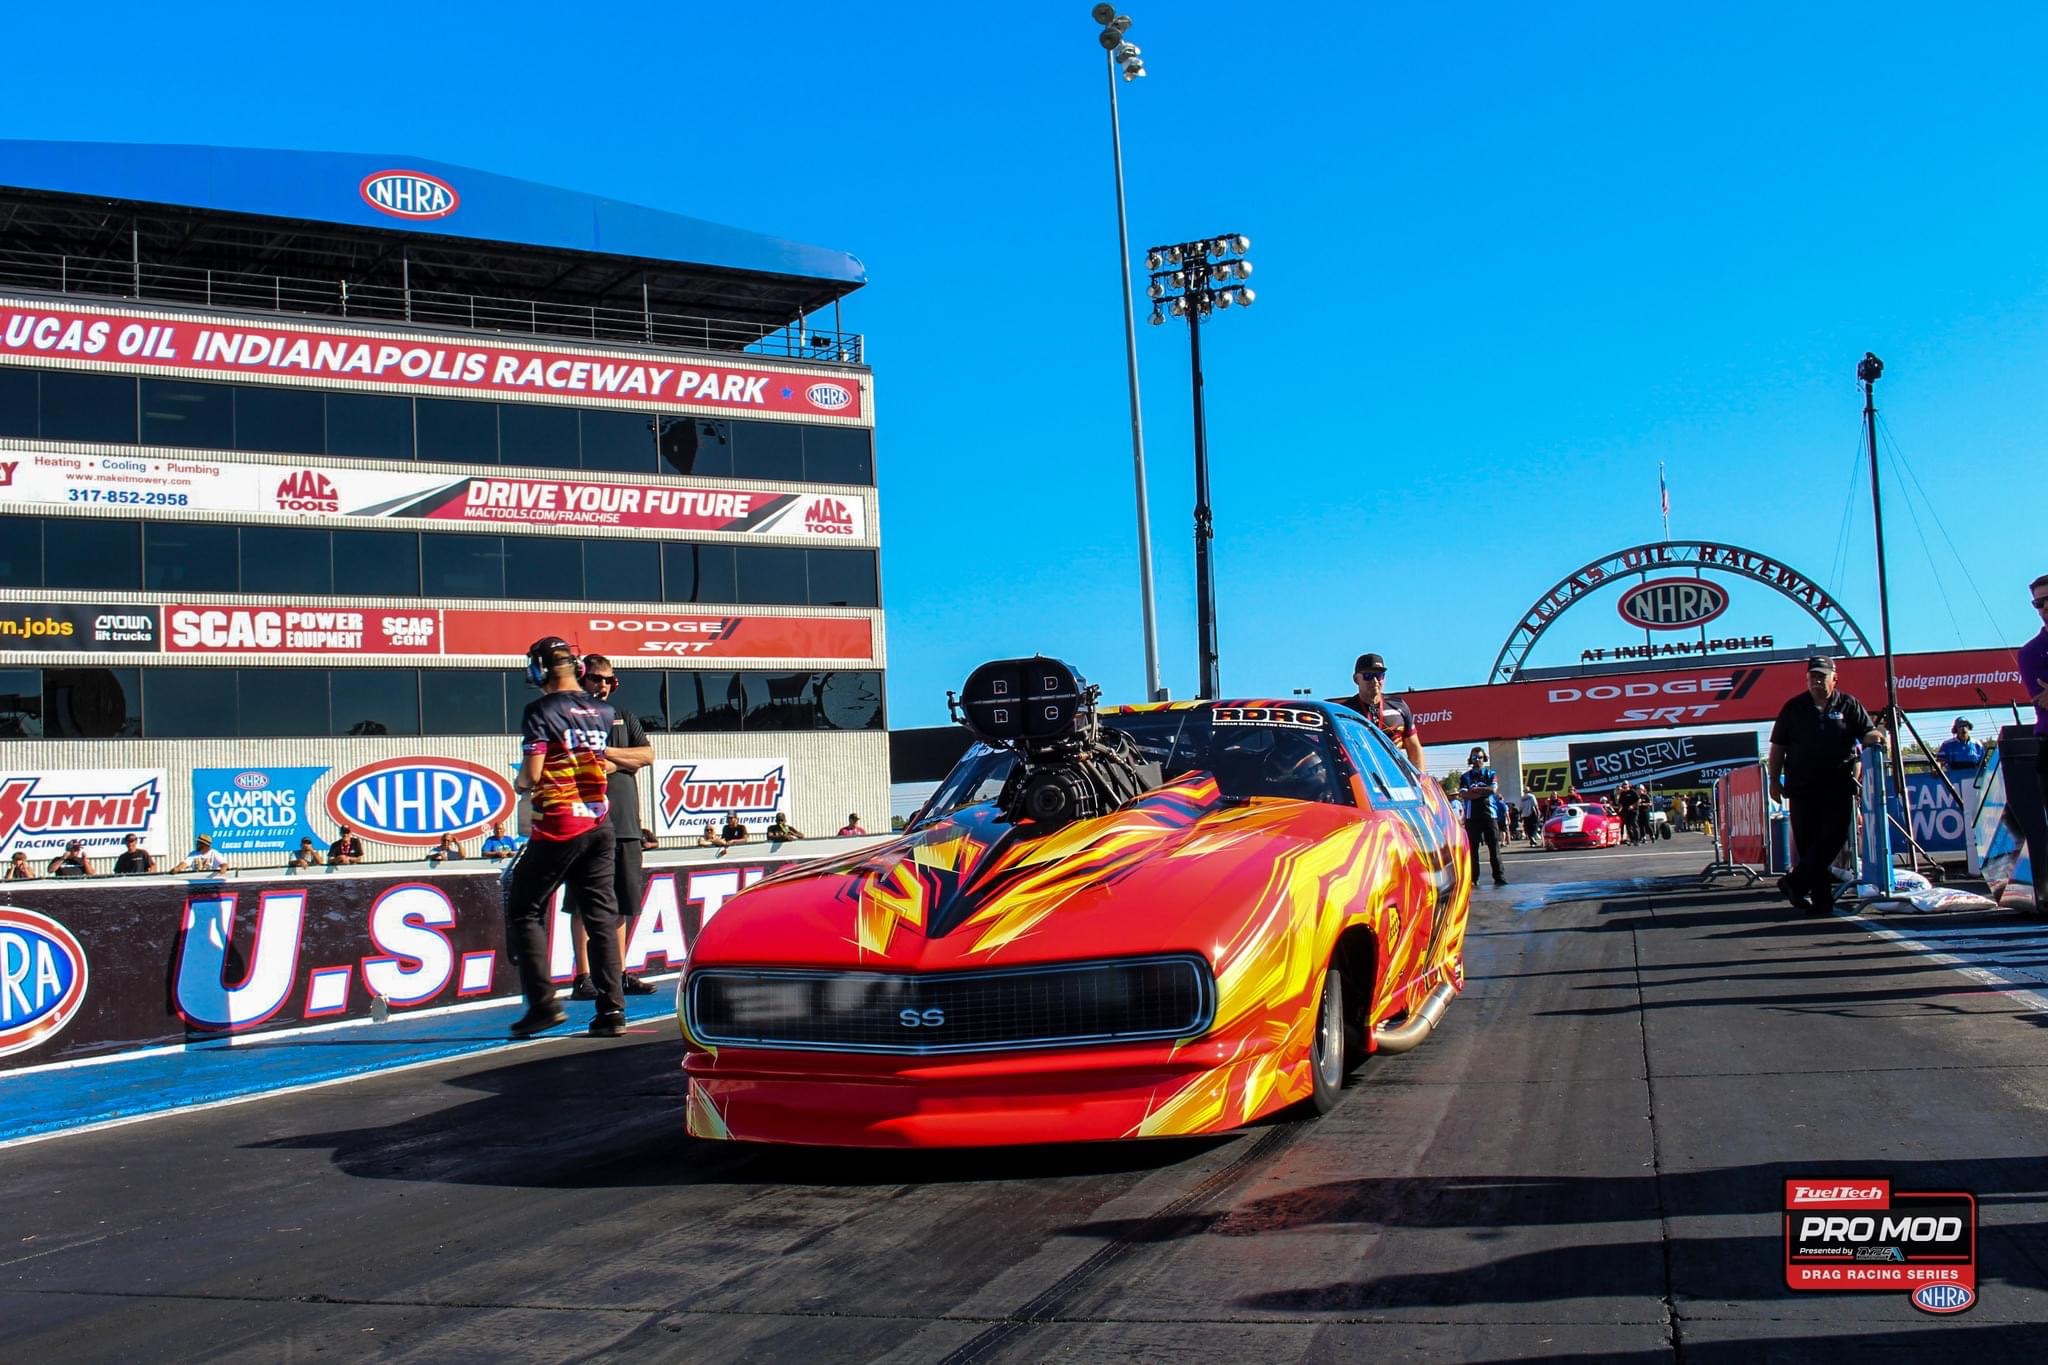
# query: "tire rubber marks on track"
1046,1305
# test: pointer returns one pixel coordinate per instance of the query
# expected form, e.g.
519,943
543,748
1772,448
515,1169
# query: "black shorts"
629,881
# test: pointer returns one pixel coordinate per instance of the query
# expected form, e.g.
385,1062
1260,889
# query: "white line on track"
1694,853
1982,966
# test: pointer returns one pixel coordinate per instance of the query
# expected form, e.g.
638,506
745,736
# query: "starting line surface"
47,1103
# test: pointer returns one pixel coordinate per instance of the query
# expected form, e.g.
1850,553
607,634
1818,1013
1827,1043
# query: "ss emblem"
921,1018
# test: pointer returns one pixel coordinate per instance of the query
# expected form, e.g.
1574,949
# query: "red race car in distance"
1585,825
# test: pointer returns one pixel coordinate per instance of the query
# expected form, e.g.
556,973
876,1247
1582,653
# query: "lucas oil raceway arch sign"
1736,690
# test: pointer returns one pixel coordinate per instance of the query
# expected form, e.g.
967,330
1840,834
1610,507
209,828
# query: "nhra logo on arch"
414,801
1672,603
830,397
42,979
307,491
409,194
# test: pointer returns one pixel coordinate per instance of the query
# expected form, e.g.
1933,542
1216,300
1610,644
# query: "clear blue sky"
1509,258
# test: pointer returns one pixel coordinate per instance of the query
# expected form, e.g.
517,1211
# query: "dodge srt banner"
79,627
660,635
1602,765
198,485
1953,680
117,339
113,966
41,812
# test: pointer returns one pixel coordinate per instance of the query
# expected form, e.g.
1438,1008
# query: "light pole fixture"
1123,61
1193,280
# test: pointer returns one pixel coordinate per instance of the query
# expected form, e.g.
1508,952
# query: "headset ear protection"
543,655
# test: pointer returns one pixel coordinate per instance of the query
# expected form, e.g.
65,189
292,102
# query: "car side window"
1389,781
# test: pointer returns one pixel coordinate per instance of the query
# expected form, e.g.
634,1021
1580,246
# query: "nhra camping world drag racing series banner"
255,810
151,484
41,812
117,339
1675,760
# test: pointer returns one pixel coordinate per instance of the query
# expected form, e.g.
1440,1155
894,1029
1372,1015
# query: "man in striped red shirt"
564,734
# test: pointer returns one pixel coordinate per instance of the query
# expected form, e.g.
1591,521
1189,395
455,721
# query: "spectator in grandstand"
135,860
1960,755
781,831
1815,763
1390,714
449,850
501,845
19,868
851,827
345,850
710,837
202,858
733,832
308,855
72,862
1480,789
626,752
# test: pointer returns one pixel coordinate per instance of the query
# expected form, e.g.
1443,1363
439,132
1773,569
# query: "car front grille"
1069,1005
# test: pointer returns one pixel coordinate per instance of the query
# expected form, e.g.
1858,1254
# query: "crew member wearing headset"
564,734
1480,787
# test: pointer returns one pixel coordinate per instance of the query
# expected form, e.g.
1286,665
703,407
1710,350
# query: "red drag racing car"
1284,895
1582,826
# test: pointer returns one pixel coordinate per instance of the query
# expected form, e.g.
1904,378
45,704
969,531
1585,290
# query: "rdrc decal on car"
42,979
414,801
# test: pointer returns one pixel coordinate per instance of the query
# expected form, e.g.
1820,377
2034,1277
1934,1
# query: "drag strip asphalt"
1585,1162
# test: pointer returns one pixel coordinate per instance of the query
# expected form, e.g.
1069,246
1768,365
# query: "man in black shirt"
135,860
1389,713
1815,763
626,752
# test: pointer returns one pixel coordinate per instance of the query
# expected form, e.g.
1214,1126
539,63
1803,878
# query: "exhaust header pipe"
1417,1026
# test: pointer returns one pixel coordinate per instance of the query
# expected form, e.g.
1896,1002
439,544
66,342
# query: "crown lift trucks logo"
1851,1233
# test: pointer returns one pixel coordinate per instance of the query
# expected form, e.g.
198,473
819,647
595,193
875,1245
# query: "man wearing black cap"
1391,715
1960,754
1815,763
564,734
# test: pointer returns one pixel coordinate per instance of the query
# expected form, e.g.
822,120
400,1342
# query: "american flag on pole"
1664,499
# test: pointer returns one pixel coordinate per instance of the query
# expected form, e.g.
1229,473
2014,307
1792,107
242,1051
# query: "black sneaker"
1794,895
539,1018
1500,881
632,985
583,988
608,1026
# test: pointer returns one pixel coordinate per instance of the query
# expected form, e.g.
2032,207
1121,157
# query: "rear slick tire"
1326,1048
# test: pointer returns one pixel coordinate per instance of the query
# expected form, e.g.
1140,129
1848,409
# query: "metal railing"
144,282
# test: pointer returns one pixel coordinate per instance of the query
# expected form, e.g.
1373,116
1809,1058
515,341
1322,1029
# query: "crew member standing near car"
1532,819
563,737
1960,755
1391,715
1815,762
1627,803
627,751
1480,786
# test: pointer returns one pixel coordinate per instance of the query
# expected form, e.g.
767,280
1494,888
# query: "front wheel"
1326,1053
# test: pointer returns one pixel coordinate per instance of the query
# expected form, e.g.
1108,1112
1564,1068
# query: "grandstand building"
299,451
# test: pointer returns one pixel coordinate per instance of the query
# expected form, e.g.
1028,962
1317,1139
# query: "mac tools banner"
255,810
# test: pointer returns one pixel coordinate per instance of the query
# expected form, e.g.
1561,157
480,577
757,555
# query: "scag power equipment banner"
149,485
118,339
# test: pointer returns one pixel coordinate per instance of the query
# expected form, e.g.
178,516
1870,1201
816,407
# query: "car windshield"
1249,759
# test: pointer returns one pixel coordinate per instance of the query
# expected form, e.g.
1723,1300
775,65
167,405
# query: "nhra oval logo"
1672,603
42,979
830,397
1943,1298
410,194
414,801
252,781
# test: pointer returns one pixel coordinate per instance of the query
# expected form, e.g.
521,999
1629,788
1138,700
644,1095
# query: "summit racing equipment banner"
1600,766
41,812
690,793
643,635
198,485
80,627
117,339
1665,698
127,964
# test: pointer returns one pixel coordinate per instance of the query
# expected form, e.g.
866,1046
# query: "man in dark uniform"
1815,763
1627,801
1391,715
1479,787
563,737
626,753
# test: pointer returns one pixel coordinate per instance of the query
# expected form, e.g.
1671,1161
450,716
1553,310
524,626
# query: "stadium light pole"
1122,60
1193,280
